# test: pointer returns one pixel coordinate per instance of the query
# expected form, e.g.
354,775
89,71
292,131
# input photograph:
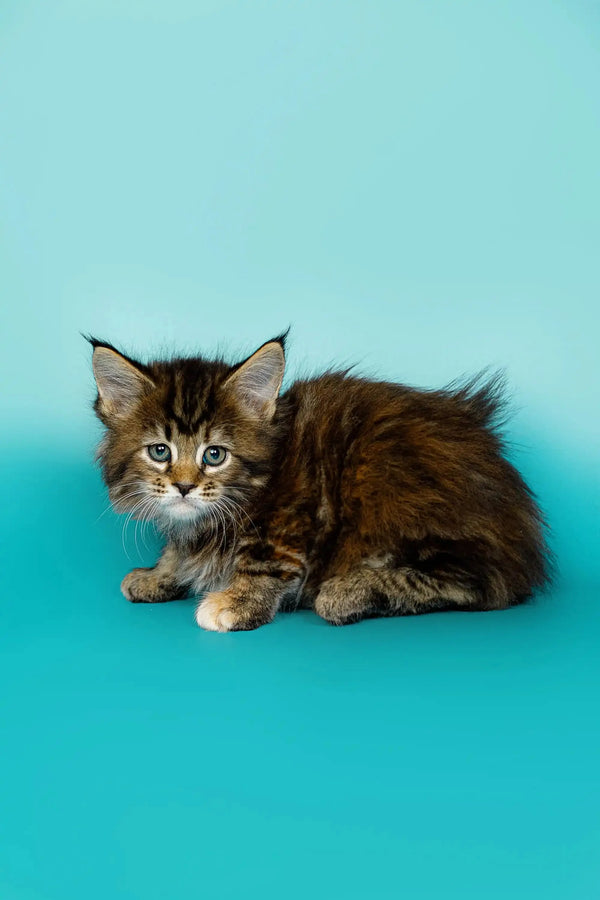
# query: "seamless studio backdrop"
413,187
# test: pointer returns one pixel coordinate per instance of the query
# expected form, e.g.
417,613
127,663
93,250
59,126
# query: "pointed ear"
120,381
256,382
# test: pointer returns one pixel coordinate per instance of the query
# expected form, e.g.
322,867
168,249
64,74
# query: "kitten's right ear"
120,381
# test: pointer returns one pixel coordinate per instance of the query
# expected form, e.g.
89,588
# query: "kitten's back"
401,466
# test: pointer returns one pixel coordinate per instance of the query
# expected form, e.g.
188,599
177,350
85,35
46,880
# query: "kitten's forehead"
188,395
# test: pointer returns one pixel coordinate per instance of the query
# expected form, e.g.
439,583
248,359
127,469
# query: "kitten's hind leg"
376,588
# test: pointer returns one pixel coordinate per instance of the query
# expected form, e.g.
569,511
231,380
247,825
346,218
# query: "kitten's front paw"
146,586
219,611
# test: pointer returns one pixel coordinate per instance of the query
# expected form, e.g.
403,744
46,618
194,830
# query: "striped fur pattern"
350,496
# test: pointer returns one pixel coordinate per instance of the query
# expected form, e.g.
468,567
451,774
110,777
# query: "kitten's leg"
377,589
254,595
158,584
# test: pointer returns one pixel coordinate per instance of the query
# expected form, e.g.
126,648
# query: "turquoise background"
411,185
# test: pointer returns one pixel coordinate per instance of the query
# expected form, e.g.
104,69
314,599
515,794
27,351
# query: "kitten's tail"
486,397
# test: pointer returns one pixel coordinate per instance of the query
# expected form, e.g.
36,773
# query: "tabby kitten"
352,497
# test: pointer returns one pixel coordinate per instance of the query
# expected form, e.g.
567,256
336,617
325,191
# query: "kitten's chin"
183,512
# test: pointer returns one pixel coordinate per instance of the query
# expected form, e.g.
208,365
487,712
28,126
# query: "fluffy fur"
350,496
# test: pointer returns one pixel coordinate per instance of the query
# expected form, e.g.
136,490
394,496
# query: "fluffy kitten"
353,497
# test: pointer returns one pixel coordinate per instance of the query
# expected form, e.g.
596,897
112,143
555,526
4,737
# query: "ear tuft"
257,381
120,380
282,338
96,342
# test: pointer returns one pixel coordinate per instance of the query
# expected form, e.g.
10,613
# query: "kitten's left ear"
257,381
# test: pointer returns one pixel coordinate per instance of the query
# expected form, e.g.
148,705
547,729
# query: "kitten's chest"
208,569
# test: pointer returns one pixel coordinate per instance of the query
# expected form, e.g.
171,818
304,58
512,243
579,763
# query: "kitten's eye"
214,456
159,452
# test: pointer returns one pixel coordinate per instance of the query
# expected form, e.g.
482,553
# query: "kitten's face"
180,478
188,441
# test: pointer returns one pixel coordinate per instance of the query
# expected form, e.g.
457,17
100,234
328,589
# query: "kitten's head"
188,441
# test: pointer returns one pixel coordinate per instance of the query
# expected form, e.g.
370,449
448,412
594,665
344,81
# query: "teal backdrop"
413,186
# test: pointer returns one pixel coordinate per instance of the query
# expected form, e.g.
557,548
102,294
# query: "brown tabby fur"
354,497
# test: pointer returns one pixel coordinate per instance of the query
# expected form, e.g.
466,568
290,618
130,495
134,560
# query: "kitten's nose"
183,488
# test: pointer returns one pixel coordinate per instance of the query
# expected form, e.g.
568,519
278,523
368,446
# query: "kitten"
350,496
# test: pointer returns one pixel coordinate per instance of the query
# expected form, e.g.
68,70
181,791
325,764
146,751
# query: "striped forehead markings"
189,401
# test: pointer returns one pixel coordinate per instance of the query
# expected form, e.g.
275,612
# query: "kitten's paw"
212,615
339,603
146,586
219,611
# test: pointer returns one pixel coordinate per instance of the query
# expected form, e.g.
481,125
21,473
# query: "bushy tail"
485,396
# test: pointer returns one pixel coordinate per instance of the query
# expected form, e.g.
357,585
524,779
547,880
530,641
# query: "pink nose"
183,488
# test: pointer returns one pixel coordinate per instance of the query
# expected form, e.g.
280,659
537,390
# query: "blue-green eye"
214,456
159,452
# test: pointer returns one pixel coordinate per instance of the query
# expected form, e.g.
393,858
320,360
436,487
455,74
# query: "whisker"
112,504
145,509
227,514
137,506
240,509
